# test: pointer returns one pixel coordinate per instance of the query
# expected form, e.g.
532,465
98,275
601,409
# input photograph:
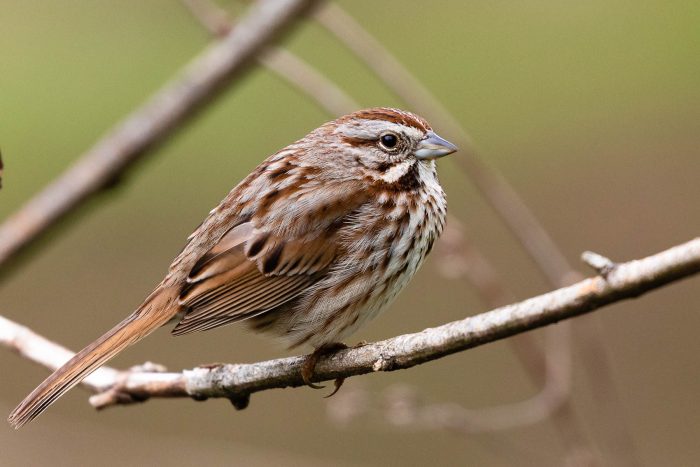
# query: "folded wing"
250,271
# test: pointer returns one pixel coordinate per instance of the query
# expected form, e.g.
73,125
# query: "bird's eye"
389,140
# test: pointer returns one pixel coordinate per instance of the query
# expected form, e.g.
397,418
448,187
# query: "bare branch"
406,407
599,263
173,105
238,381
458,257
280,61
36,348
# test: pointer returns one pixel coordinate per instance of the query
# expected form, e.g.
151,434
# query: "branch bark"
238,381
174,104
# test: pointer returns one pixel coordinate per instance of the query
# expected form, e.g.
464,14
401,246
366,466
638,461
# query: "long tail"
154,313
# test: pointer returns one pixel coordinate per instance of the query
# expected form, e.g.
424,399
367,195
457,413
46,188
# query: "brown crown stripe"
390,115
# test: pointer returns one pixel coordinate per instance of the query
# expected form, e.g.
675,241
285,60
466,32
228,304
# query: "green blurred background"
591,109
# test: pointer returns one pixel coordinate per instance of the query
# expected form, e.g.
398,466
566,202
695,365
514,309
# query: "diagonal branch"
36,348
283,63
238,381
173,105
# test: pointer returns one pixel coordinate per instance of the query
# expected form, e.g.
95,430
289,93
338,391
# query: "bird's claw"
337,383
307,369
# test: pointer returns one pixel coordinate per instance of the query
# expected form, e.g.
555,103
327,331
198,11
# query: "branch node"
240,401
116,396
601,264
378,364
211,366
148,367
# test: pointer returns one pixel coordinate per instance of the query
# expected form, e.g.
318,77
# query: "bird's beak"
432,147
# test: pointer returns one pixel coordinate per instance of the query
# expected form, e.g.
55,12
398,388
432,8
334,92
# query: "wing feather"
285,241
229,284
230,306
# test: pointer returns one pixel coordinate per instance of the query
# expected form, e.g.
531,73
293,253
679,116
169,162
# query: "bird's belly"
371,293
371,274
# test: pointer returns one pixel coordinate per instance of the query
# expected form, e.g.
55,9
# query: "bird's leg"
307,369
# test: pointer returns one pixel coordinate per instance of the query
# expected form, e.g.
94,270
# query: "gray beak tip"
433,146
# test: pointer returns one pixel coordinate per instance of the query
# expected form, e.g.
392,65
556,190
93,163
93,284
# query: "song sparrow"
314,243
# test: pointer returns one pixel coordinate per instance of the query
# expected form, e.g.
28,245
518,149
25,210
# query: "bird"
311,245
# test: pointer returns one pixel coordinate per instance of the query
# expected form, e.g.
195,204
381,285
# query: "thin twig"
405,407
238,381
599,263
458,257
287,66
214,18
552,368
36,348
138,134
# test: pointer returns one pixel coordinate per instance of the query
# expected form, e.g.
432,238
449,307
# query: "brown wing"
250,271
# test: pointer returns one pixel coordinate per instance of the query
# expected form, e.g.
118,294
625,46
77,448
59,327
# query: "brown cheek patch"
383,166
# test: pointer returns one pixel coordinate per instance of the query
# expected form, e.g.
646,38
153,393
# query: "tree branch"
238,381
174,104
36,348
283,63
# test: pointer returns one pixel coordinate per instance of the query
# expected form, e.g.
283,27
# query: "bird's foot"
307,369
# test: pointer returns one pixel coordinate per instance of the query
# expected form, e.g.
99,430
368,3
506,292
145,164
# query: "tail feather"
132,329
